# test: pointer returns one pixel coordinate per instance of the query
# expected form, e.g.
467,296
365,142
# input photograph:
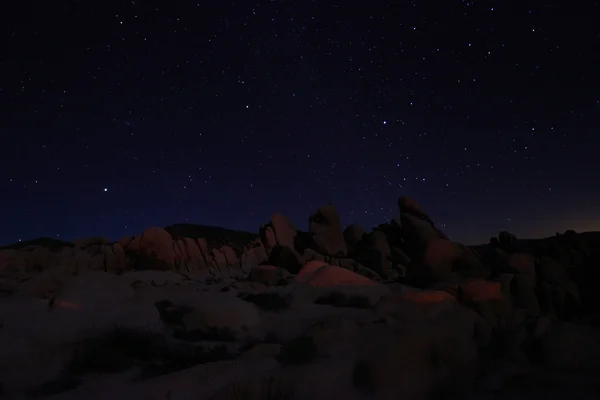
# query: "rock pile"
400,310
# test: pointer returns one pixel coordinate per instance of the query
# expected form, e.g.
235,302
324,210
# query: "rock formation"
202,312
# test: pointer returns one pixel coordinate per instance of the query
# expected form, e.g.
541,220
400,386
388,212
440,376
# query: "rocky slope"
400,311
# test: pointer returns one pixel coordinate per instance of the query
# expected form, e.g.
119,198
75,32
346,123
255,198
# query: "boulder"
321,274
415,305
219,315
521,263
326,230
284,230
353,234
279,238
375,253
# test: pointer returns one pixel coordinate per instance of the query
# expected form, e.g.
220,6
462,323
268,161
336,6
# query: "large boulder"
353,234
218,316
326,230
415,305
411,213
154,249
321,274
375,253
279,239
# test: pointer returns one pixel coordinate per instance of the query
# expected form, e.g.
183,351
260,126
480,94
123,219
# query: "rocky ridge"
398,310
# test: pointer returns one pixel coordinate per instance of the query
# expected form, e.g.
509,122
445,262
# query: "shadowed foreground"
398,312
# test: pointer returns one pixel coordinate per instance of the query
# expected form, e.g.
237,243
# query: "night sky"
116,116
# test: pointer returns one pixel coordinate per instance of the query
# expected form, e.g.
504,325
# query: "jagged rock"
268,238
286,257
353,234
279,239
469,264
254,254
418,230
284,230
410,208
375,253
152,250
193,257
399,256
105,257
326,230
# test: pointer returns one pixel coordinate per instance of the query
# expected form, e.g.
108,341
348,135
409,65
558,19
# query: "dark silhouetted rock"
507,240
353,234
278,238
326,230
375,253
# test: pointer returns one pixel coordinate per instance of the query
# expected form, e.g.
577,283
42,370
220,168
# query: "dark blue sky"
115,116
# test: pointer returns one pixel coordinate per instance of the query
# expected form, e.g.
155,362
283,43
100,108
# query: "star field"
116,116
